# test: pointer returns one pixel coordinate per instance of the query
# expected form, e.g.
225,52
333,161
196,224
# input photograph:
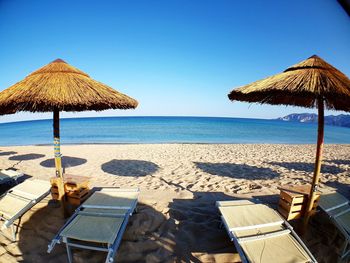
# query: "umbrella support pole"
318,162
58,160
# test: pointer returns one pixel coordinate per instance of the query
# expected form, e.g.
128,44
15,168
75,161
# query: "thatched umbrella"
57,87
310,83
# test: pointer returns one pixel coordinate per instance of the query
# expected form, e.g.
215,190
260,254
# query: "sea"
125,130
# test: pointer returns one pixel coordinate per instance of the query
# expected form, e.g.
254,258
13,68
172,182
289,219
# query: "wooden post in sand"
58,160
318,162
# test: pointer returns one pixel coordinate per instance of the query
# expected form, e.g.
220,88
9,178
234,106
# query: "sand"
177,220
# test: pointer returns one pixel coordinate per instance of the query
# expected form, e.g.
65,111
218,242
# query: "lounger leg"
110,256
346,250
18,224
13,233
69,253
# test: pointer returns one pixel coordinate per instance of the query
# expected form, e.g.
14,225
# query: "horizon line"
141,116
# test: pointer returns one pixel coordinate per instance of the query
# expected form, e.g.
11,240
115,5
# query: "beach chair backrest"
234,203
31,189
337,208
332,201
113,199
6,175
250,216
10,173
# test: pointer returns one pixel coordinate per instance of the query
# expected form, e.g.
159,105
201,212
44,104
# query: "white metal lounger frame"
9,222
111,248
346,234
236,240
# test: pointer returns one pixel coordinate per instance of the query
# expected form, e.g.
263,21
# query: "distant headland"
342,120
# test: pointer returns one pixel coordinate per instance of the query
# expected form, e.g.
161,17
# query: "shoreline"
174,143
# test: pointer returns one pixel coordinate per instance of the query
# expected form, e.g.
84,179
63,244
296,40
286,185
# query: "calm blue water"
168,130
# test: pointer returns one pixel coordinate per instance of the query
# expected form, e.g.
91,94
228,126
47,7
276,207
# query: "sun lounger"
99,223
19,199
337,208
260,234
8,176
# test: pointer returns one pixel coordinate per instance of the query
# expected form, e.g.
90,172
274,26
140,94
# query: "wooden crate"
77,197
293,201
72,182
77,189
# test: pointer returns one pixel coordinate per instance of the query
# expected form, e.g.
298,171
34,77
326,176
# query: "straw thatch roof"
346,5
63,87
300,85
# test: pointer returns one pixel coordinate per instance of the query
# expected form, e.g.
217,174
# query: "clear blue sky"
175,57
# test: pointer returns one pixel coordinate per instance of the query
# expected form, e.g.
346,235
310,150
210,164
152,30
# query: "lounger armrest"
239,202
24,194
264,236
113,189
107,207
83,213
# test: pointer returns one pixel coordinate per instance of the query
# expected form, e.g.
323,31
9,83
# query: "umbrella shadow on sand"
147,238
339,162
135,168
26,157
239,171
67,161
308,167
340,187
7,153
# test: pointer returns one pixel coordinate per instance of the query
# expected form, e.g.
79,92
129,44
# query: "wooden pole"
56,143
318,162
58,160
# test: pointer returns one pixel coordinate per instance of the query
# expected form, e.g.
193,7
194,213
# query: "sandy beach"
177,220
